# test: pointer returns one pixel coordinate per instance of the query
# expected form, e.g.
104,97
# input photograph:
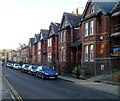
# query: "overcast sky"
21,19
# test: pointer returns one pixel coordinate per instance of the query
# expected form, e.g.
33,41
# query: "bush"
76,70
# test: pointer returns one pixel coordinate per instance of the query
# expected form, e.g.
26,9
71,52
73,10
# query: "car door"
40,71
29,69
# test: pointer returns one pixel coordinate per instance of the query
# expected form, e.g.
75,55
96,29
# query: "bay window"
49,42
86,53
86,29
49,57
91,53
91,27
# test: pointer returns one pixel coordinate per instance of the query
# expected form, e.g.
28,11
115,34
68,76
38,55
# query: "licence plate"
51,77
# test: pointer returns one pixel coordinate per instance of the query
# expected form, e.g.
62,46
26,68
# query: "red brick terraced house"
43,40
39,52
115,36
24,54
30,50
35,46
96,30
69,42
52,45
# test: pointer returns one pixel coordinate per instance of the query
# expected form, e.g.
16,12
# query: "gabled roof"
37,36
116,6
104,7
44,33
73,19
55,27
31,41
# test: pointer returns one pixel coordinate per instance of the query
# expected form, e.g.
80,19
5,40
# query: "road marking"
13,92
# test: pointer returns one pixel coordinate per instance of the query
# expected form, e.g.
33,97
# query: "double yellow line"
13,92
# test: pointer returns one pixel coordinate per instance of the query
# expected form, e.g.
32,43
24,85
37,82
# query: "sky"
21,19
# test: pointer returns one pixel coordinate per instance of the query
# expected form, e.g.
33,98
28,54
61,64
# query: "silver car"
32,69
16,66
25,68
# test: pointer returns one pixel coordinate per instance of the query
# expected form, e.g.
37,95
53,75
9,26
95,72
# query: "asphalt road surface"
30,87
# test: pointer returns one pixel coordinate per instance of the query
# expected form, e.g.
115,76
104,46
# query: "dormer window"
92,9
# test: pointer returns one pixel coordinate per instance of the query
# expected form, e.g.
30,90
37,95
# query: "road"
30,87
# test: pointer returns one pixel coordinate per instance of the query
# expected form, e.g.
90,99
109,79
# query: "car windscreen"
17,65
46,68
27,65
34,67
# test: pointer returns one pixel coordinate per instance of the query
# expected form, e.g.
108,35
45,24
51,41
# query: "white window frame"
60,37
86,53
91,27
86,29
39,45
64,36
91,52
49,42
49,57
66,23
39,58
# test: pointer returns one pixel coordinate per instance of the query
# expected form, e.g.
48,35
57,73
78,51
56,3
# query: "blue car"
45,72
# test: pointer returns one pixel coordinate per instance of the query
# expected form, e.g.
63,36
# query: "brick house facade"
43,51
30,50
115,37
35,46
95,29
91,40
52,45
68,35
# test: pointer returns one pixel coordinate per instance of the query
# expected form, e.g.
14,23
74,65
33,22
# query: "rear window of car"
27,65
17,65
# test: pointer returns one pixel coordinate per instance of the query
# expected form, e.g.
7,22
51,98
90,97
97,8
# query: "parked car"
32,69
25,68
45,72
9,65
16,66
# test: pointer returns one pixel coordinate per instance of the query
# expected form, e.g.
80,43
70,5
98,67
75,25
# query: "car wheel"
43,77
28,72
36,75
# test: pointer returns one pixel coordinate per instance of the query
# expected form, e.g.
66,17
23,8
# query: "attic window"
66,23
92,9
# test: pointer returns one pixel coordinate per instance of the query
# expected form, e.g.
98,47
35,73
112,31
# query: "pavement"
100,86
8,91
5,91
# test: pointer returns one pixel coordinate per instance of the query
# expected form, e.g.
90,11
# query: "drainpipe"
96,49
110,43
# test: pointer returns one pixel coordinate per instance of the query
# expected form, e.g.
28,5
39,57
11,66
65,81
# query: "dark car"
25,68
45,72
32,69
